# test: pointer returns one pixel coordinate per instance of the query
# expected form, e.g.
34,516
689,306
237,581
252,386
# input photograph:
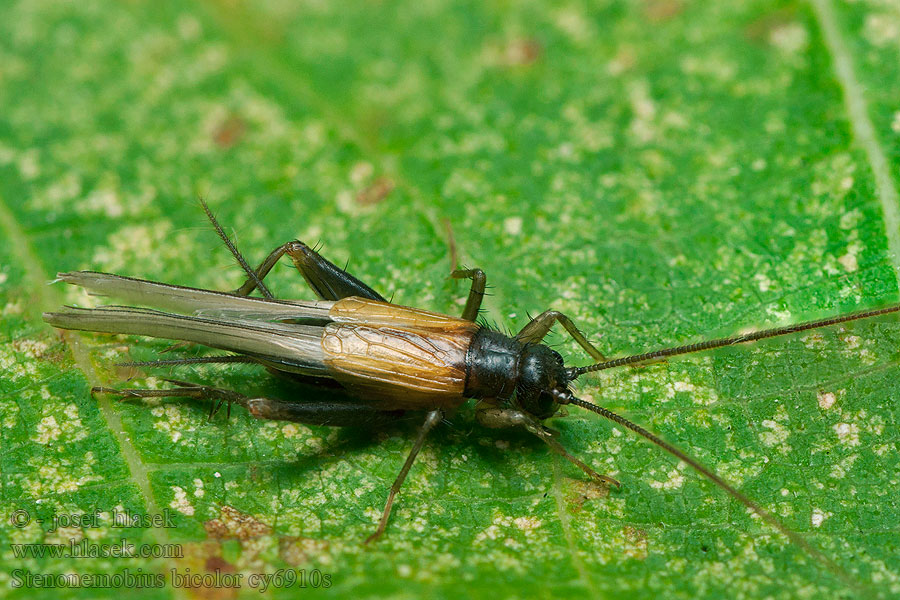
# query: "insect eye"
541,405
544,406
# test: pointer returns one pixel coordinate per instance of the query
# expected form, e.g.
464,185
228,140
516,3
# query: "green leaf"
662,171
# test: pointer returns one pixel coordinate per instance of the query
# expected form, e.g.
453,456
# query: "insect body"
388,359
384,360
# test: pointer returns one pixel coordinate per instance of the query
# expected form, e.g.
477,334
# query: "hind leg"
326,279
185,389
331,413
335,414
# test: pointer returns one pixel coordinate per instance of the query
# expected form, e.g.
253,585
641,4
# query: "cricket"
383,360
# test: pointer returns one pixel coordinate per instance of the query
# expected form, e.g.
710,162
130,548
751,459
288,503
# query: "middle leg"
476,292
433,418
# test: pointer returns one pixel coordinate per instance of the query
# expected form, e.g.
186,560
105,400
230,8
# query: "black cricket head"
543,381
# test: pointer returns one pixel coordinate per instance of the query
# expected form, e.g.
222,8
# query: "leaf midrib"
863,131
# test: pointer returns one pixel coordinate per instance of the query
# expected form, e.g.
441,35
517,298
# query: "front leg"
539,326
502,418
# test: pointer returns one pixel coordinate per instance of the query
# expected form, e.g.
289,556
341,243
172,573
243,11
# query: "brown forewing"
372,312
396,356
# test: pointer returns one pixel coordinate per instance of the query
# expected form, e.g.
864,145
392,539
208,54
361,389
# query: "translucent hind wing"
296,348
194,300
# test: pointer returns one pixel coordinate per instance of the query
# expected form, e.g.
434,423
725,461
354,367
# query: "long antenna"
568,398
236,253
574,372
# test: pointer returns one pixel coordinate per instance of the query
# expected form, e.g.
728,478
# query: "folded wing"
286,334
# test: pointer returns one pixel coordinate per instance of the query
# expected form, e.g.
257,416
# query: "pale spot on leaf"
674,481
513,225
180,501
848,433
791,38
826,400
819,516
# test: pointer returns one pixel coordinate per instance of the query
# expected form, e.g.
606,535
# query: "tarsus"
200,360
236,253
